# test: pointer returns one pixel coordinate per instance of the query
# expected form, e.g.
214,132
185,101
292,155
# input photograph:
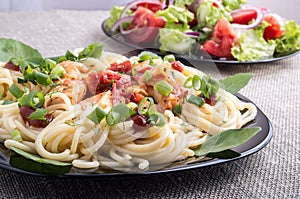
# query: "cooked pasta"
117,112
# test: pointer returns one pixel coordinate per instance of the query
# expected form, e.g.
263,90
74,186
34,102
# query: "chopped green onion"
58,70
193,99
147,76
97,115
196,82
38,114
141,106
188,83
177,109
147,55
157,119
16,135
118,114
33,99
163,87
209,86
169,58
16,91
42,78
6,102
132,106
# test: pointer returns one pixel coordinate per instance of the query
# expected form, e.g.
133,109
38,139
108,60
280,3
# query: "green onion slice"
16,91
33,99
16,135
141,105
196,82
163,87
157,119
193,99
147,76
177,109
169,58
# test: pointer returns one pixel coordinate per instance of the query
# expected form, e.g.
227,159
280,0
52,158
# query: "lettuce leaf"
183,3
115,13
208,15
290,40
174,40
252,45
176,17
233,4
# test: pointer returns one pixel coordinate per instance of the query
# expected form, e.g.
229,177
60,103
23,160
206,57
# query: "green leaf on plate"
226,140
226,154
20,162
37,158
18,52
233,84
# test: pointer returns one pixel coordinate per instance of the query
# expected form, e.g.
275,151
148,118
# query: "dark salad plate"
13,162
199,56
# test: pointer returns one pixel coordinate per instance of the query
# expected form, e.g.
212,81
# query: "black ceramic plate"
10,161
200,56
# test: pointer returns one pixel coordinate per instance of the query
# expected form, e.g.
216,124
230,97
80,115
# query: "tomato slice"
176,65
154,7
145,26
272,31
243,16
123,67
222,40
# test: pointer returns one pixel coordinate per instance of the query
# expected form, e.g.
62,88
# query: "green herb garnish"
226,140
233,84
163,87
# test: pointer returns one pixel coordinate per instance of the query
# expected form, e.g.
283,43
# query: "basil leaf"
38,114
97,115
37,158
20,162
193,99
226,140
226,154
233,84
18,52
94,51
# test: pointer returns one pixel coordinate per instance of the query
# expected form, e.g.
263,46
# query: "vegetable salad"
225,29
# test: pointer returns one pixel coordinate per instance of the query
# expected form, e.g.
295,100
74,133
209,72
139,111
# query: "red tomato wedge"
272,31
121,67
243,16
222,40
154,7
145,26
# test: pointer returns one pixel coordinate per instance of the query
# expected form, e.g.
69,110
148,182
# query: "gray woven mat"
273,172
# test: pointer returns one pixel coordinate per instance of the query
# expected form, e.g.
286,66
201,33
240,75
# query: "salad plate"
16,163
223,32
201,55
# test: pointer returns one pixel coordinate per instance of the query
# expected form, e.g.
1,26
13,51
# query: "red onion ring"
192,34
120,22
258,20
219,4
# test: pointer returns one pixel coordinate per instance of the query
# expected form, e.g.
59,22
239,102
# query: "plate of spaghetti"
97,113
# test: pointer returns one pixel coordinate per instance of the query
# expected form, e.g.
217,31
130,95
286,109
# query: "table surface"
273,172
